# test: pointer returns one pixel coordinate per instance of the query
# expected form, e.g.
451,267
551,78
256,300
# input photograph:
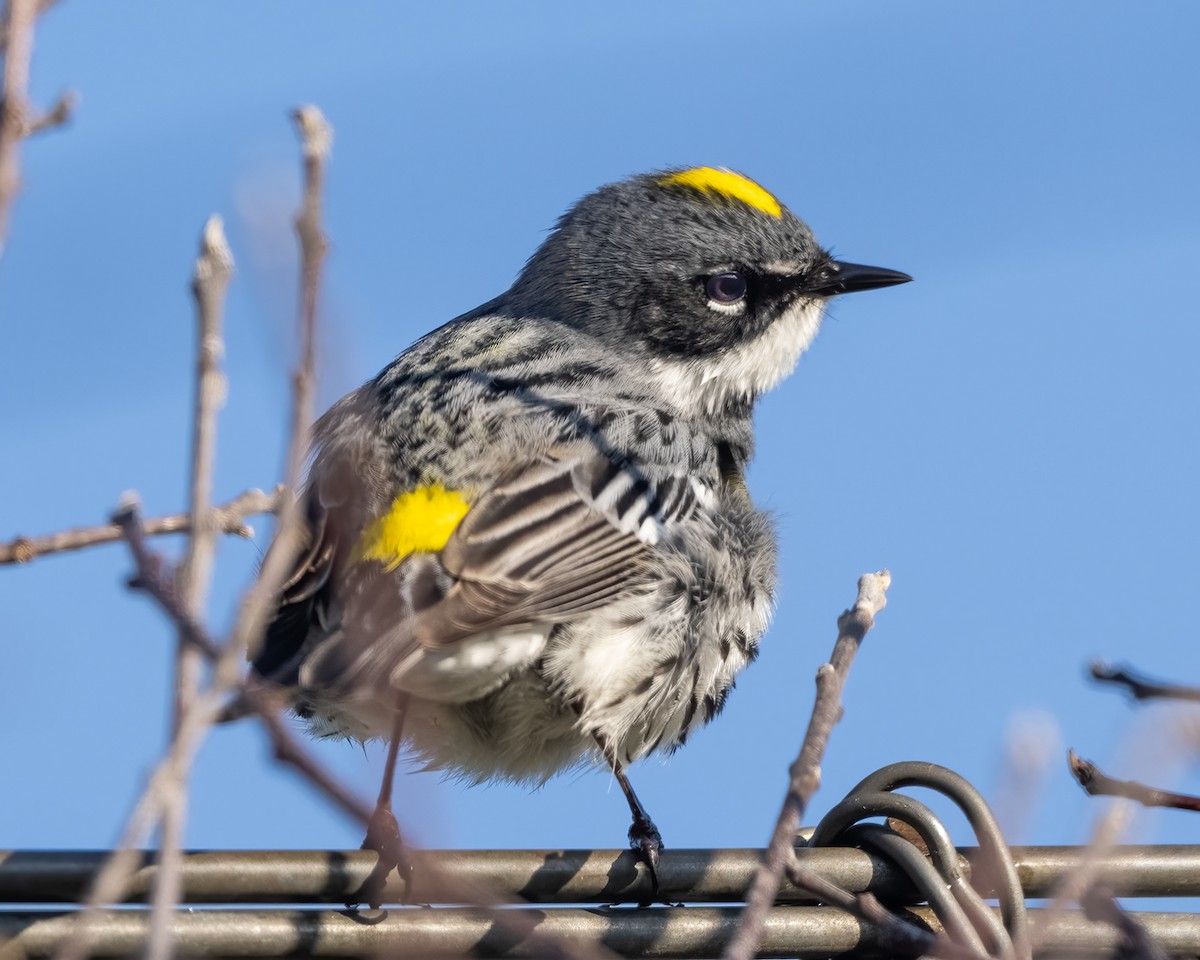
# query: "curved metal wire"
860,806
998,865
929,883
873,797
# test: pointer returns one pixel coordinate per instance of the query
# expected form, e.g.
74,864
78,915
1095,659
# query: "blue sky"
1014,434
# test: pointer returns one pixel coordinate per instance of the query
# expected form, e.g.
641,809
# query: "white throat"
706,384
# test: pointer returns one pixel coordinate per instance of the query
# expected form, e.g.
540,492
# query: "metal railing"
277,903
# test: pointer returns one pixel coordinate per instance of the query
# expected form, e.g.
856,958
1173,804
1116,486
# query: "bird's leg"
383,833
644,837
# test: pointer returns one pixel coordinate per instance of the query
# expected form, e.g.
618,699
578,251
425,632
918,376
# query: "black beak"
838,277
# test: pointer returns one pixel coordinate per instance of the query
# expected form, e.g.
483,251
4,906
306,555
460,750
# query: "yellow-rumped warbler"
530,539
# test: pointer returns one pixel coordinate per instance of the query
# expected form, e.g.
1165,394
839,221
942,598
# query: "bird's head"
701,273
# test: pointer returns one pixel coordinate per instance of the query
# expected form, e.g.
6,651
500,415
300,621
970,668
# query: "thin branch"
197,717
1136,942
805,771
39,8
109,885
154,578
1096,783
317,140
210,283
14,105
1141,687
229,518
57,116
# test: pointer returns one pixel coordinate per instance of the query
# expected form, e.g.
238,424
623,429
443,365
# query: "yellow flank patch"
420,521
728,184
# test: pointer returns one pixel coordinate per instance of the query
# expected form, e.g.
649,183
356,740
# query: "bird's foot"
383,836
647,843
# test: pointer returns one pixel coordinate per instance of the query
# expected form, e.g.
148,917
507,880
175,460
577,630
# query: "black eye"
725,287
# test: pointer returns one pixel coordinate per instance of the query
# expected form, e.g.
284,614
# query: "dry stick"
109,886
1136,943
212,278
1141,687
154,577
16,43
853,625
228,518
56,116
210,283
1074,884
317,140
18,31
1099,784
39,8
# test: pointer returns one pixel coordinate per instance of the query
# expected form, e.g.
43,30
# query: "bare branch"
317,140
57,116
39,8
16,118
1141,687
853,625
14,107
229,518
1136,942
153,581
214,269
210,282
154,578
1096,783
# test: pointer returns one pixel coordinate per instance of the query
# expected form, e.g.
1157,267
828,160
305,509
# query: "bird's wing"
556,537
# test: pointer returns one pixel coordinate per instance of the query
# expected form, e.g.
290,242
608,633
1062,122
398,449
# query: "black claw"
383,837
647,843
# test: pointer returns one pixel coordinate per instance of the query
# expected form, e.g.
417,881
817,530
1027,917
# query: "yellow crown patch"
420,521
727,184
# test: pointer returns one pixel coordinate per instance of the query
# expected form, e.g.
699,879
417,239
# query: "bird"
529,543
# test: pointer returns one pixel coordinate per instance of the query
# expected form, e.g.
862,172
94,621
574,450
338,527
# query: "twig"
1141,687
153,578
210,282
18,32
196,717
16,121
896,937
1072,886
39,8
805,771
1136,942
110,882
56,116
1096,783
229,518
317,139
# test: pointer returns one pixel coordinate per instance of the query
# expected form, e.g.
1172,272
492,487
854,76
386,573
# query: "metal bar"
562,876
657,932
